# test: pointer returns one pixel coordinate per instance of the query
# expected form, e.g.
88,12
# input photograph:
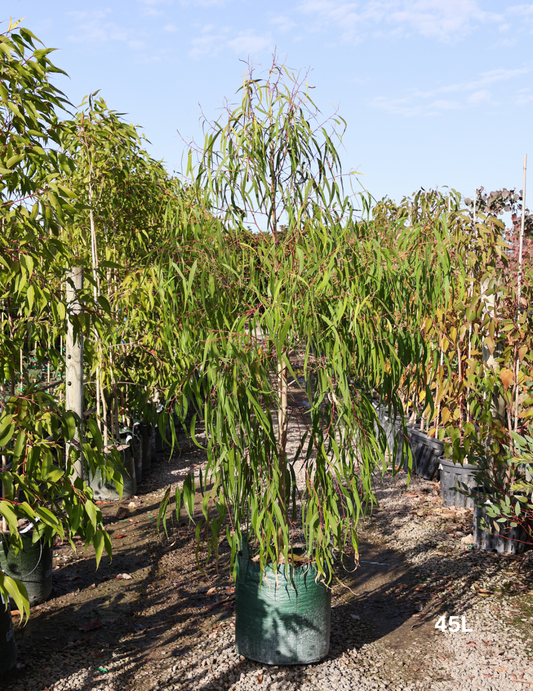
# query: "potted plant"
329,292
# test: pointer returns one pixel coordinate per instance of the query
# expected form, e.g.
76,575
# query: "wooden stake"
74,360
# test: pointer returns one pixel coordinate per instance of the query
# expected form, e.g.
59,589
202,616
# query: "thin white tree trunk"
519,286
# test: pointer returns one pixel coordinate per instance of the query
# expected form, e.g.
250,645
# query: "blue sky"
435,92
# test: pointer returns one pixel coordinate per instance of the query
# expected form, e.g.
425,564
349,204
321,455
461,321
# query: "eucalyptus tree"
325,294
125,194
34,206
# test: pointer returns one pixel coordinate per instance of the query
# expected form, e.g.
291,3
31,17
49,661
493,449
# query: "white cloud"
445,20
524,97
486,78
522,10
482,96
209,43
283,23
215,39
444,105
247,43
96,28
136,45
469,95
152,7
94,31
81,16
203,3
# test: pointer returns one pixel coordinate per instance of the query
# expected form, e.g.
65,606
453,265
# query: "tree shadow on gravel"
164,620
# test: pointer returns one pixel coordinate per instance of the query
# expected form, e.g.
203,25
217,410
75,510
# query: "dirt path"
150,619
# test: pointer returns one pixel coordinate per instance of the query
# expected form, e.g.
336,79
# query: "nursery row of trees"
393,305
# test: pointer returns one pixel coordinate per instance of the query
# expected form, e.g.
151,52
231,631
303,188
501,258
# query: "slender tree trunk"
282,431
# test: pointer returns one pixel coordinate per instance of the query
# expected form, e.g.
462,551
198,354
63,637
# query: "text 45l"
453,624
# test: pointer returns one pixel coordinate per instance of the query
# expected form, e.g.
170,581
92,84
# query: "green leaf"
92,512
7,429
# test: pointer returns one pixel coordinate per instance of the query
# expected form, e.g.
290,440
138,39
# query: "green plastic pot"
32,565
283,619
8,647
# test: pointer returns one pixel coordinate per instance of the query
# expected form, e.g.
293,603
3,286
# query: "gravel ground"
169,626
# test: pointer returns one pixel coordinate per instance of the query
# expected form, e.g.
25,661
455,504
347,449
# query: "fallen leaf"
119,537
217,604
123,577
92,587
78,641
68,579
501,669
122,512
211,591
91,626
139,627
260,678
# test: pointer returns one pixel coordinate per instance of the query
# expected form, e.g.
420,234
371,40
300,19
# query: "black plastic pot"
427,454
161,443
394,432
146,433
107,491
153,443
451,475
136,449
389,425
506,540
8,647
32,565
283,619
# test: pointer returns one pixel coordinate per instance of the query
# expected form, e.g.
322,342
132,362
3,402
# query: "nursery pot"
392,428
283,619
507,540
153,443
161,443
451,474
135,441
427,453
107,491
32,565
8,648
146,450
